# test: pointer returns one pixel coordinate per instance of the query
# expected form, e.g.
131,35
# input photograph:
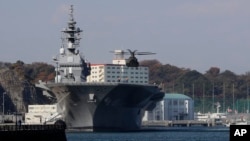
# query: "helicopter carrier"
98,99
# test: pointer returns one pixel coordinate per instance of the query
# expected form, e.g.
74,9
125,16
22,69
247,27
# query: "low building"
41,114
173,107
11,118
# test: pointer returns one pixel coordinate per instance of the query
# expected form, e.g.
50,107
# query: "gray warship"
98,106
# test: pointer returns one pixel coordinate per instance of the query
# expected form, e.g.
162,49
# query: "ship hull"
105,107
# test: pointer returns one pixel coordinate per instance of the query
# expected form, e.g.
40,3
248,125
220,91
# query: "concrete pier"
186,123
32,132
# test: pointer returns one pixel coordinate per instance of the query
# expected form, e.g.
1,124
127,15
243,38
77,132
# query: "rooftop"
176,96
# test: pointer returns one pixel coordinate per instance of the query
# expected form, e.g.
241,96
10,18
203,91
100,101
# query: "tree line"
231,91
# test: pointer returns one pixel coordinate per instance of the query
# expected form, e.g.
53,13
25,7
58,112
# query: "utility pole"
224,97
3,107
203,101
233,98
247,99
183,88
213,100
193,91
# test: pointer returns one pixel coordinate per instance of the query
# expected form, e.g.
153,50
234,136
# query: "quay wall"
33,132
179,123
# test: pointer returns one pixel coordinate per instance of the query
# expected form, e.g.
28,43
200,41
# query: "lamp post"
3,107
56,61
57,71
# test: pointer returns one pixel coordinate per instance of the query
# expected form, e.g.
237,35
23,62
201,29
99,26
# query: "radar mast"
71,65
71,34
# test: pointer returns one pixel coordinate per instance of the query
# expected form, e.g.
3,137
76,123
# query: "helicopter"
132,60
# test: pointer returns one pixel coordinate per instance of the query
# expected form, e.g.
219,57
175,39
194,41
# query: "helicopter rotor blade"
135,52
145,53
122,52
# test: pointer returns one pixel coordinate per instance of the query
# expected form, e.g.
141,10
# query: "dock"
187,123
14,132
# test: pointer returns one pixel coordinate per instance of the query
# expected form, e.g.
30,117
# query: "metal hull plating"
105,106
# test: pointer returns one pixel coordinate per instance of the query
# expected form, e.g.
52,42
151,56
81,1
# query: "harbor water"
156,134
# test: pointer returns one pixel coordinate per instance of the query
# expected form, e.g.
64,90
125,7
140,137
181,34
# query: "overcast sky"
195,34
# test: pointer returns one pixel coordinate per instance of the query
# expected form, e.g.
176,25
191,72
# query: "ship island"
99,97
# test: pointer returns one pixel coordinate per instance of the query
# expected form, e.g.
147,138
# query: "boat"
218,118
90,100
237,120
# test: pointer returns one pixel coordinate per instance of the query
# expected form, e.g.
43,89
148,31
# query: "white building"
118,71
172,107
40,114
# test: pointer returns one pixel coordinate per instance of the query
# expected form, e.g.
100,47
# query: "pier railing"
9,127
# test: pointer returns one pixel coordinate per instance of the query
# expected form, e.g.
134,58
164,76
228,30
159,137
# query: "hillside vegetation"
17,82
226,88
230,90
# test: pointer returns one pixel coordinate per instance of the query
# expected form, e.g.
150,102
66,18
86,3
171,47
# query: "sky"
191,34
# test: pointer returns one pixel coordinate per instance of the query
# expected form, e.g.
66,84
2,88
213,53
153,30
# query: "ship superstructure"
71,65
111,104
